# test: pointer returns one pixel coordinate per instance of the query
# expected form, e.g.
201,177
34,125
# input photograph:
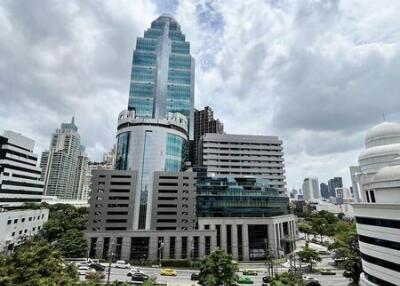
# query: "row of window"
25,231
381,262
23,219
377,280
391,223
379,242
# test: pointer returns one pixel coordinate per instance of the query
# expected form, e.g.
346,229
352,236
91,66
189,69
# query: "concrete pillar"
234,239
153,248
223,237
178,247
202,246
245,242
190,246
166,247
126,248
272,238
213,239
99,247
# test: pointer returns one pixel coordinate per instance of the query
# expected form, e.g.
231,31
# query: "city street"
183,277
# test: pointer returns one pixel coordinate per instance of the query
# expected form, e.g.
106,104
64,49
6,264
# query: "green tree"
218,268
308,255
36,264
72,244
319,226
64,229
287,279
347,249
306,229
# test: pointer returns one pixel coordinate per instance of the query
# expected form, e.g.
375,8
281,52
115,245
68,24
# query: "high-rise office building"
146,207
377,181
20,177
147,145
63,163
311,189
324,190
204,122
244,155
162,78
334,183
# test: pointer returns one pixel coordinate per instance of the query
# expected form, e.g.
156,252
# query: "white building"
20,180
378,214
18,225
311,189
244,155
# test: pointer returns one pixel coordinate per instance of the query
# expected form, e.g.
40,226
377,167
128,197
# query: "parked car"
245,280
97,266
134,270
267,279
309,278
327,272
139,277
168,272
121,264
249,272
194,276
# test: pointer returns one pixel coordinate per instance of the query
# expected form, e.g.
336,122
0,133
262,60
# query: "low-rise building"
17,225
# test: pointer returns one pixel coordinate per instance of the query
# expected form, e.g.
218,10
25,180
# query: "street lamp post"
160,248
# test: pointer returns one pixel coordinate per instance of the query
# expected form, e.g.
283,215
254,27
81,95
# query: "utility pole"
110,256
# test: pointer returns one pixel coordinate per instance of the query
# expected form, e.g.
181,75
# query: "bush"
183,263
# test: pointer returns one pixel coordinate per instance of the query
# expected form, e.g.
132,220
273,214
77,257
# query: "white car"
121,264
134,270
309,278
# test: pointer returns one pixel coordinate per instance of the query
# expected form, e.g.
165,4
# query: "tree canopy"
308,255
64,229
36,264
218,268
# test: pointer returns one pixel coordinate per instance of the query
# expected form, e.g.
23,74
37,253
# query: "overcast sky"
318,74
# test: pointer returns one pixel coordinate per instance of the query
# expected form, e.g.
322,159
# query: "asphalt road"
183,277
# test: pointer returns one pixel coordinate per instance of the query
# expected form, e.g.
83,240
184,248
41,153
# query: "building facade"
244,155
62,165
162,79
377,215
324,190
204,122
18,225
147,145
189,219
20,177
311,189
334,183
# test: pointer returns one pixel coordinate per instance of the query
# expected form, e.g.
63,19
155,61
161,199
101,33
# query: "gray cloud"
315,73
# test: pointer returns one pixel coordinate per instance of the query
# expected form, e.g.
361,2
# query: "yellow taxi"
168,272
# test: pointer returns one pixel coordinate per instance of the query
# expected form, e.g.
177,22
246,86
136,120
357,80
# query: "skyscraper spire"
162,78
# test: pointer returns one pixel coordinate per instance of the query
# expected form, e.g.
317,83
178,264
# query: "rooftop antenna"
384,118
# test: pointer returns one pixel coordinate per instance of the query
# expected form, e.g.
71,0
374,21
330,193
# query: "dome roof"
380,151
380,134
390,173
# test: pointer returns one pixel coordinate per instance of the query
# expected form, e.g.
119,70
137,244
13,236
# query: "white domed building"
376,181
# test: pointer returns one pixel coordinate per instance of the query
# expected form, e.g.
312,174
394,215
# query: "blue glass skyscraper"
162,78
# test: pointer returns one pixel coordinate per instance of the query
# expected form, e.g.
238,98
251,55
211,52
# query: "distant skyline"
318,74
